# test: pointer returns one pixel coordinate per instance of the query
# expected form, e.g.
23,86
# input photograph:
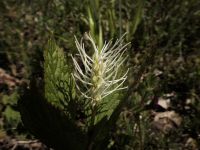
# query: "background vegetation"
164,62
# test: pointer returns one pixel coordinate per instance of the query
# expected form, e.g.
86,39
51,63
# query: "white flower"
99,74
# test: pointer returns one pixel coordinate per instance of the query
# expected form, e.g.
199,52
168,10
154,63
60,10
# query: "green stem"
141,147
94,111
120,18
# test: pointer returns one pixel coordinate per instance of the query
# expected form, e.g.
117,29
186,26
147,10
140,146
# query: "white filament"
99,73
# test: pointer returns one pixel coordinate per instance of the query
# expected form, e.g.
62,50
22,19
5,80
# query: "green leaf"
138,16
49,123
12,117
56,75
107,106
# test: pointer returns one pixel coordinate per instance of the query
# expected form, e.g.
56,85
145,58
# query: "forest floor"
8,143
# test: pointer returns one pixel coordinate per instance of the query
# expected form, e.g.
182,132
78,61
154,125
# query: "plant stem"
141,147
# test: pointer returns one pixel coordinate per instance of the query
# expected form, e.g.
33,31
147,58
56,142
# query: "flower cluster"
99,74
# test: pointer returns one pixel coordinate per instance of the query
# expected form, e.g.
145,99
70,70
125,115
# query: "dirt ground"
14,144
